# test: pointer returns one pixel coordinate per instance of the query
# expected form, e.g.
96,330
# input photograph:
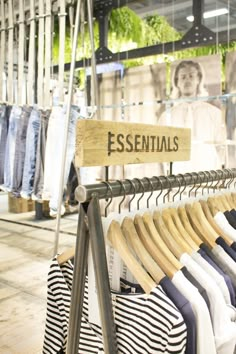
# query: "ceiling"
176,12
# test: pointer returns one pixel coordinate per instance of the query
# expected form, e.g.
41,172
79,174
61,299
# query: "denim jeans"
11,147
54,154
30,155
40,158
4,121
20,150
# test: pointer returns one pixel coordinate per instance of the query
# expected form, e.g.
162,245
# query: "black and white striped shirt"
145,324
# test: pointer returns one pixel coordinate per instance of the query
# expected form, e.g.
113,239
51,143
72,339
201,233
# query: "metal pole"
84,193
95,93
101,275
67,121
77,295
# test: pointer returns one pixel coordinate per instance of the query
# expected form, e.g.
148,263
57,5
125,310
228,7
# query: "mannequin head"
188,80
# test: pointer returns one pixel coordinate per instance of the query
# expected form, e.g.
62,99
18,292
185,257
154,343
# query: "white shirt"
224,329
226,262
218,278
223,223
205,122
205,336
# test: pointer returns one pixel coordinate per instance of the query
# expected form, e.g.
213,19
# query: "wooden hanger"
66,256
163,231
152,231
206,210
174,232
118,241
233,197
182,231
213,207
157,253
229,198
130,233
187,225
199,221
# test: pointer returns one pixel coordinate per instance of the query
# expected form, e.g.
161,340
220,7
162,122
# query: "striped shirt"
145,324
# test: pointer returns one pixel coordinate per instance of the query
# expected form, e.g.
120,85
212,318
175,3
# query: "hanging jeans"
4,121
2,115
54,154
30,155
20,151
40,157
10,147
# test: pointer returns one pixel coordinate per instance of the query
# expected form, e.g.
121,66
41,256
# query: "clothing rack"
90,227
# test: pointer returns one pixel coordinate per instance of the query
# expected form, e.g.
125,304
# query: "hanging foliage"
125,25
128,31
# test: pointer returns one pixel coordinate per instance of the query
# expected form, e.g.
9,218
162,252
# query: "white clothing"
227,263
218,278
205,336
223,223
208,131
224,329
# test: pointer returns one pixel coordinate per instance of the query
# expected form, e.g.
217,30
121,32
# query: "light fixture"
209,14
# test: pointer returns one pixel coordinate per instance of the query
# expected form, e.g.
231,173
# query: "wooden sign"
106,143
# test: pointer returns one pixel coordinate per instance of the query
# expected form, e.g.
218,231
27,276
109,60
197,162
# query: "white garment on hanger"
226,262
218,278
205,336
223,223
224,329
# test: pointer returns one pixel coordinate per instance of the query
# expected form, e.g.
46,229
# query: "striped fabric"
144,323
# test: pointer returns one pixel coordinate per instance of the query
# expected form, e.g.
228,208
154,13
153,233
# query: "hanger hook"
123,187
190,183
134,194
152,189
230,178
110,189
184,184
159,182
176,179
194,182
207,177
168,189
217,181
200,183
210,185
143,190
221,178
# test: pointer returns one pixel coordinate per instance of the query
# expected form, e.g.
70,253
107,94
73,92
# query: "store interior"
66,62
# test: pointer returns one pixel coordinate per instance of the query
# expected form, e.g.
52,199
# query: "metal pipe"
95,93
67,121
101,275
84,193
77,295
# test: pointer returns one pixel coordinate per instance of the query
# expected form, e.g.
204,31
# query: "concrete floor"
25,254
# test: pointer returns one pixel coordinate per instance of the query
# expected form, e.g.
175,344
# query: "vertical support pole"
32,56
198,11
2,51
62,35
41,29
95,93
77,296
10,91
21,82
67,122
48,53
101,275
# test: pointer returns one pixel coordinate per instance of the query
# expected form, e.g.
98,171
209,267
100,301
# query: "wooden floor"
25,255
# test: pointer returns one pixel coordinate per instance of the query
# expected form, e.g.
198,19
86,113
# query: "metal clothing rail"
90,228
